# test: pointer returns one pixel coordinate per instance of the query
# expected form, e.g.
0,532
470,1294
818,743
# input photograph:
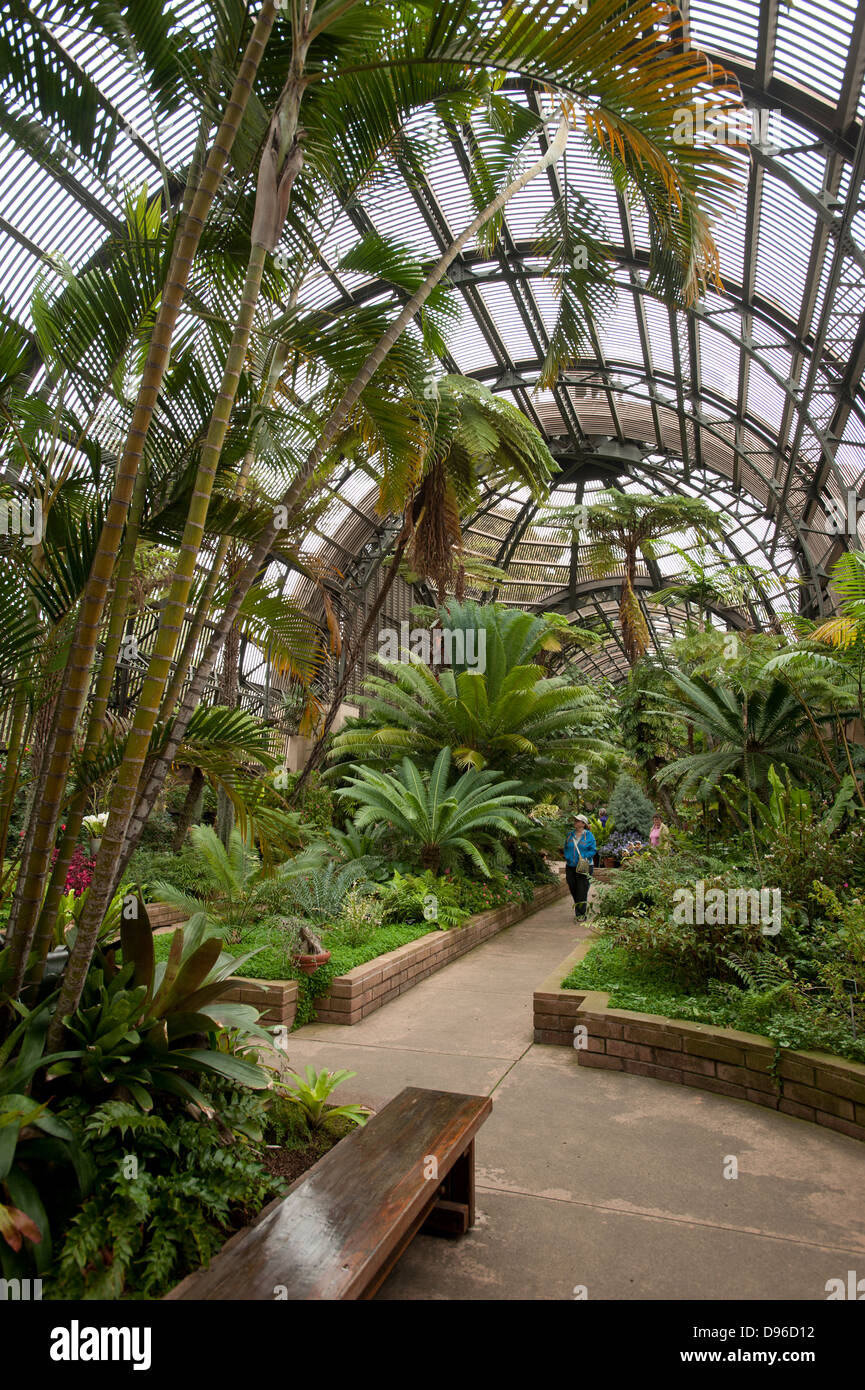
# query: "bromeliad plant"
438,823
145,1027
313,1094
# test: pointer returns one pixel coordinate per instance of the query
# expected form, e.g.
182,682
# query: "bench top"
342,1220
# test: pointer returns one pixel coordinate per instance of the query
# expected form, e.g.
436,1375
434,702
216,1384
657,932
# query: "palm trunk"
190,809
196,627
12,769
80,661
293,500
229,691
44,934
351,660
281,161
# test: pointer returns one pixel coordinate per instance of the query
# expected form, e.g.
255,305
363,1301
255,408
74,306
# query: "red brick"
714,1084
842,1126
652,1037
792,1107
683,1062
637,1068
743,1076
718,1051
629,1049
600,1059
839,1084
602,1027
551,1036
819,1100
759,1061
765,1098
548,1021
791,1069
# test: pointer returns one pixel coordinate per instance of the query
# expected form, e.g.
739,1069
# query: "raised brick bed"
277,999
811,1085
162,915
365,988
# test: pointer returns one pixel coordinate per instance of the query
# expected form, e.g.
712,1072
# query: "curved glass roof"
752,399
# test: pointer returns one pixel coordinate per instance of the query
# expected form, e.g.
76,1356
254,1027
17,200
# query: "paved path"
592,1178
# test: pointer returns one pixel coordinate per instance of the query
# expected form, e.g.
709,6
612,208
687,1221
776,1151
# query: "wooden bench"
345,1223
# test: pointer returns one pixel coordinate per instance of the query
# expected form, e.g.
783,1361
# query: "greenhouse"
432,653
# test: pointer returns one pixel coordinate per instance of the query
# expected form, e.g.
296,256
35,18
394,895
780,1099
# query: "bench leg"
454,1212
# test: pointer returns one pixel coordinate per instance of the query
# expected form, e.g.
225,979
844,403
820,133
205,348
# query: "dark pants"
579,886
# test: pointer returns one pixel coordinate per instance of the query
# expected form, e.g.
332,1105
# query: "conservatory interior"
432,649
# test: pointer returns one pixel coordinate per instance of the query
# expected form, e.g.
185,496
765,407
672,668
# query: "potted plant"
309,961
95,825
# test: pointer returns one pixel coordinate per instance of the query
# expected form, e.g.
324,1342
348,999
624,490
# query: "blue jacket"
585,846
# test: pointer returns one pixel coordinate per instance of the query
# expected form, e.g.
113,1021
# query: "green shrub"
158,832
630,808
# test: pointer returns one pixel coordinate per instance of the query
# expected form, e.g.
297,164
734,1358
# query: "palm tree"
437,821
472,437
630,134
717,585
621,527
832,655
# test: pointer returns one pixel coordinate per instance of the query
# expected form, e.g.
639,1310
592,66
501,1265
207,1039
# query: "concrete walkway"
597,1179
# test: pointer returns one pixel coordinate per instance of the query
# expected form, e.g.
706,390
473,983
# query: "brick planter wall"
277,999
162,915
811,1085
365,988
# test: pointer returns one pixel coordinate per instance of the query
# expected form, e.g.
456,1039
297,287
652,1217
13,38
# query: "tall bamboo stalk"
281,161
80,662
351,660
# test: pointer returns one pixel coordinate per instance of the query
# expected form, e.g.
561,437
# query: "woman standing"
658,833
580,849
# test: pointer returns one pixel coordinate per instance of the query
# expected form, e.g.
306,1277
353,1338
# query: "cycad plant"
436,822
320,893
237,893
745,732
508,716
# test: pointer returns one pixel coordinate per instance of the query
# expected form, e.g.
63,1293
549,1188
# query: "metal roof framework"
752,399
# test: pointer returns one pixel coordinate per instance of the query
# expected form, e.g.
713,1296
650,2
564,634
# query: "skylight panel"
731,28
812,43
509,322
784,245
468,344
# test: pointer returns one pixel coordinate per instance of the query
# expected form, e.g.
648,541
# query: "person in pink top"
655,832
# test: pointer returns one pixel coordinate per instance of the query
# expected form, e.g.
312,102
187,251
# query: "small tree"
630,808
